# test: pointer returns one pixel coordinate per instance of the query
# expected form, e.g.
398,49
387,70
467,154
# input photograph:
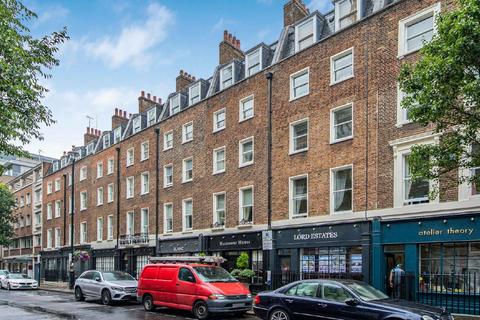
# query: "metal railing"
132,239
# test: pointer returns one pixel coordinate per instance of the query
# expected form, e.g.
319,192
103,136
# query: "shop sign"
179,246
267,240
246,241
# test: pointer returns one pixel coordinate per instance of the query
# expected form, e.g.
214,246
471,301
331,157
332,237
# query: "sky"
118,48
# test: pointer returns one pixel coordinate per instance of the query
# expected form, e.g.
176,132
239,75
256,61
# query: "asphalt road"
43,305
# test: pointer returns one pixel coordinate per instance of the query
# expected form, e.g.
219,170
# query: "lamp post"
71,277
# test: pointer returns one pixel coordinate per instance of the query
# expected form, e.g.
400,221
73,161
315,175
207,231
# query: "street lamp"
71,276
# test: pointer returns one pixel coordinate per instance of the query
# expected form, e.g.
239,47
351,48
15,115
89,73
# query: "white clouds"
222,24
53,13
134,42
320,5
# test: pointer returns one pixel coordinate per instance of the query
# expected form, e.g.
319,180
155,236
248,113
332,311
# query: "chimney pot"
225,35
181,72
154,98
148,96
129,115
124,114
143,93
230,37
116,111
159,100
99,132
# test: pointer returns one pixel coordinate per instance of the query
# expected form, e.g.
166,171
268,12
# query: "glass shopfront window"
450,267
331,262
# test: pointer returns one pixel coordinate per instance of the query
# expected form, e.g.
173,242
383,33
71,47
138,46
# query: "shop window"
257,266
331,261
105,263
141,262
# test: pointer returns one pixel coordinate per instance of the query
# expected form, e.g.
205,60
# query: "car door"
84,282
96,284
302,300
333,296
185,288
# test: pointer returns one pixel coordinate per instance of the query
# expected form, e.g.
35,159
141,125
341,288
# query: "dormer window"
137,124
117,134
305,34
194,93
55,166
106,141
175,104
63,162
90,147
226,76
343,11
151,116
253,62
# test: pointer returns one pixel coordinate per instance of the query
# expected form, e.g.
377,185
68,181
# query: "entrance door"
394,254
285,270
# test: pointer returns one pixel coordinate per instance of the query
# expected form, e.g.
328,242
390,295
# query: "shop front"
181,246
54,263
325,251
104,259
132,260
230,246
440,259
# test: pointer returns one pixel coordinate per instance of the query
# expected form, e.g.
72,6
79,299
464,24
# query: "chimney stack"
183,80
229,48
145,103
293,11
89,135
119,118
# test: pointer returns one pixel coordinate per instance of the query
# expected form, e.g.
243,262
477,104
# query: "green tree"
24,62
442,90
6,219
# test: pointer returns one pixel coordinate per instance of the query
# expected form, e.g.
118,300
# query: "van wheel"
79,294
200,310
148,303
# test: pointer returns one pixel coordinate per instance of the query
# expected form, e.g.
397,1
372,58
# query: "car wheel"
8,286
279,314
200,310
106,297
148,303
79,294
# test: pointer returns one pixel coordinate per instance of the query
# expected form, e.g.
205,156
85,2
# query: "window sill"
168,148
245,226
85,209
298,216
296,98
168,234
144,193
291,153
190,231
218,130
332,83
402,55
185,142
99,177
342,212
187,181
402,124
243,120
169,186
142,160
217,229
243,165
129,165
218,172
110,201
99,204
341,140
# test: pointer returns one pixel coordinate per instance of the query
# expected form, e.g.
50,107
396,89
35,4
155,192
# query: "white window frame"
57,238
314,33
290,197
49,187
230,65
110,166
100,196
404,23
402,114
240,203
144,223
144,190
184,132
339,55
165,224
49,238
215,160
117,134
83,232
110,227
295,75
241,109
165,146
332,185
128,195
338,18
58,208
190,97
291,137
258,51
215,208
151,114
99,169
175,98
130,161
332,123
83,200
130,224
184,215
184,177
136,124
216,128
57,185
144,148
100,229
165,184
110,196
83,173
106,140
240,152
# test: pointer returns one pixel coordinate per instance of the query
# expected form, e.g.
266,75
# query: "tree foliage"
6,219
442,89
24,62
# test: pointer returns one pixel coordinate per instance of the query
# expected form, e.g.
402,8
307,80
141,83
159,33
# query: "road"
43,305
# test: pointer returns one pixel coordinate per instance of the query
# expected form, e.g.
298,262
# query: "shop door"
393,255
285,270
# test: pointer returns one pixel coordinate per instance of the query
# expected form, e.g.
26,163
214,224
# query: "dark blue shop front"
440,257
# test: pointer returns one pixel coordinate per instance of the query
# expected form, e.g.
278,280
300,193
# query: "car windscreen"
214,274
117,276
16,276
366,292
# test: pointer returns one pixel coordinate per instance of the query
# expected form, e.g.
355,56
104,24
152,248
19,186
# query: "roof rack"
190,259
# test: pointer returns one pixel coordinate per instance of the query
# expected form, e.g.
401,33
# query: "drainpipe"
270,253
117,246
64,209
157,191
72,270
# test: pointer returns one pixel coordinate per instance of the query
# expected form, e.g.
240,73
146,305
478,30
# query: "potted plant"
242,271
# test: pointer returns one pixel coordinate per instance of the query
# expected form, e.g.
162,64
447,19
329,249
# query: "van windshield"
214,274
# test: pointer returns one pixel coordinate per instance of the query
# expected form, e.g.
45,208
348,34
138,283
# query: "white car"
18,281
3,274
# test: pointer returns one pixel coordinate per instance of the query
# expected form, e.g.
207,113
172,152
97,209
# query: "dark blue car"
339,299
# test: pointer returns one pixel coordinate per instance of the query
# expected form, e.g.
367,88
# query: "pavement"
50,305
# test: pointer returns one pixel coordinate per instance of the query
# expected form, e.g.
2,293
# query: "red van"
201,288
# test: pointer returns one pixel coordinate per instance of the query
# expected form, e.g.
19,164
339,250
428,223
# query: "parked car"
203,289
18,281
339,299
3,274
108,286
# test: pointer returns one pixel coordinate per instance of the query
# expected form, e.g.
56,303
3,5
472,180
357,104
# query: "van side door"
186,288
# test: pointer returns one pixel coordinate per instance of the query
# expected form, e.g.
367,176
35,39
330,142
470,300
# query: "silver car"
18,281
109,286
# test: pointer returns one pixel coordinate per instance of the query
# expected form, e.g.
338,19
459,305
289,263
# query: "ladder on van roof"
188,259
